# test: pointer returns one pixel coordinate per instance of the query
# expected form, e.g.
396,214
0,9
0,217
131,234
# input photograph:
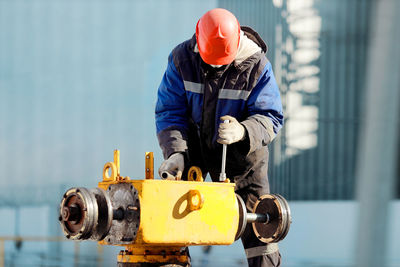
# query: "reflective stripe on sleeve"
194,87
233,94
262,250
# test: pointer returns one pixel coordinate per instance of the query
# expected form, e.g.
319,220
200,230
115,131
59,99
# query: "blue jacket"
193,96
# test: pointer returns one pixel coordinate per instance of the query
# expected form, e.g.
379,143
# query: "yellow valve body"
168,219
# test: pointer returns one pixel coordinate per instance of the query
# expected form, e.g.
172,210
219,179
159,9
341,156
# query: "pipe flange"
279,221
78,213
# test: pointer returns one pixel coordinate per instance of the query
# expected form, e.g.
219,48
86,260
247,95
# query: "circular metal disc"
287,216
105,214
279,218
242,217
124,197
85,203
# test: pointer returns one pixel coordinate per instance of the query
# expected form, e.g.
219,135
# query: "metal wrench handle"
222,175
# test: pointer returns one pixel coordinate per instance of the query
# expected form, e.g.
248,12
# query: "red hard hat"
217,35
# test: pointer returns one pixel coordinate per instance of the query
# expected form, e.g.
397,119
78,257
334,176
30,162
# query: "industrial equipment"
157,219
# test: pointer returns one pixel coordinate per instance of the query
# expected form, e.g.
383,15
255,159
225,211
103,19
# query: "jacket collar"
241,62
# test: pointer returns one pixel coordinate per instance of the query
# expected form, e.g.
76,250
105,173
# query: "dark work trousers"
258,253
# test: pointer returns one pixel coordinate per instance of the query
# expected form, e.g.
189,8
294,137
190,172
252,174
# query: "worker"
220,74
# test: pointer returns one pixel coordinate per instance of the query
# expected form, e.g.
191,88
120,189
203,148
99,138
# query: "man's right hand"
172,167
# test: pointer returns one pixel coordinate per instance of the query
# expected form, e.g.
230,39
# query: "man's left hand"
230,132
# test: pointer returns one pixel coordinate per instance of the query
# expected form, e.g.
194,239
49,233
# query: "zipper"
200,131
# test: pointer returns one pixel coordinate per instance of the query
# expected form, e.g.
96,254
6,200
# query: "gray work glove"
230,132
172,167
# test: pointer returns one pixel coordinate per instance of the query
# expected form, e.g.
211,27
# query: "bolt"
71,214
65,213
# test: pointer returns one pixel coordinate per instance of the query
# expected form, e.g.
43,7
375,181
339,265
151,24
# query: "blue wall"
79,79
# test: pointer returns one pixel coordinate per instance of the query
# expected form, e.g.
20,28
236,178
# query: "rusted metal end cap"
76,208
278,211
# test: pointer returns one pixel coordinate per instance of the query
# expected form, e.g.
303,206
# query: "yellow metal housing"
182,213
175,214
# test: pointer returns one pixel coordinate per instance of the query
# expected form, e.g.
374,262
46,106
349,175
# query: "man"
222,73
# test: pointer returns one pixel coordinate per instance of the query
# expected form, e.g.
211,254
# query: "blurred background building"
79,79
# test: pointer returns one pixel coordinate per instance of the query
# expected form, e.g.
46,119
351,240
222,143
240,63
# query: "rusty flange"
279,218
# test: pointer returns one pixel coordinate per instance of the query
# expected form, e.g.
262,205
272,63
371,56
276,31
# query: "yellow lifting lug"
116,161
149,162
114,167
195,200
195,174
109,166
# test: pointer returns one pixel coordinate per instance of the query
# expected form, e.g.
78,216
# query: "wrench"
222,175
